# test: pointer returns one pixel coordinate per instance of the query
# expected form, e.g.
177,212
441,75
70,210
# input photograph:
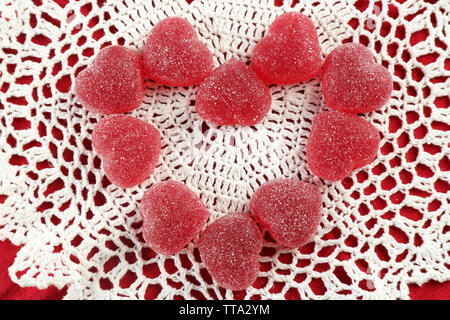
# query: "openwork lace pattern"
385,226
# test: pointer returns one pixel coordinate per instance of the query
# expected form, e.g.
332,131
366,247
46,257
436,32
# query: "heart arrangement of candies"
233,94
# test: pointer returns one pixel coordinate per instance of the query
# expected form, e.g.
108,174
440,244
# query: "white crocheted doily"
384,227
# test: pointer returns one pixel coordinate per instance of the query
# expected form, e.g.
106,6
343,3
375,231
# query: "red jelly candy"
229,248
113,83
290,53
289,209
339,143
233,94
353,82
173,215
174,56
129,149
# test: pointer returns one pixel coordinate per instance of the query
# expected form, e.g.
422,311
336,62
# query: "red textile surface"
10,291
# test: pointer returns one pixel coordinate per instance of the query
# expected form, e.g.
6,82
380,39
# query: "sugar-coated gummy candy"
229,248
129,148
113,83
172,216
289,209
290,53
233,94
353,82
174,56
339,143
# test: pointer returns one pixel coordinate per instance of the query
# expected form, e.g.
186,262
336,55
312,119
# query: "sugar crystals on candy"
353,82
172,216
229,248
290,53
233,94
339,143
290,209
129,148
113,83
174,56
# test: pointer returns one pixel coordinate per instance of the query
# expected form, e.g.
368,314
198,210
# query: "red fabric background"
432,290
10,291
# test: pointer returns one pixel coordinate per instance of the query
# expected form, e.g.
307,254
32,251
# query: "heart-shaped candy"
229,248
173,215
353,82
339,143
289,209
113,83
174,56
129,149
290,53
233,94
